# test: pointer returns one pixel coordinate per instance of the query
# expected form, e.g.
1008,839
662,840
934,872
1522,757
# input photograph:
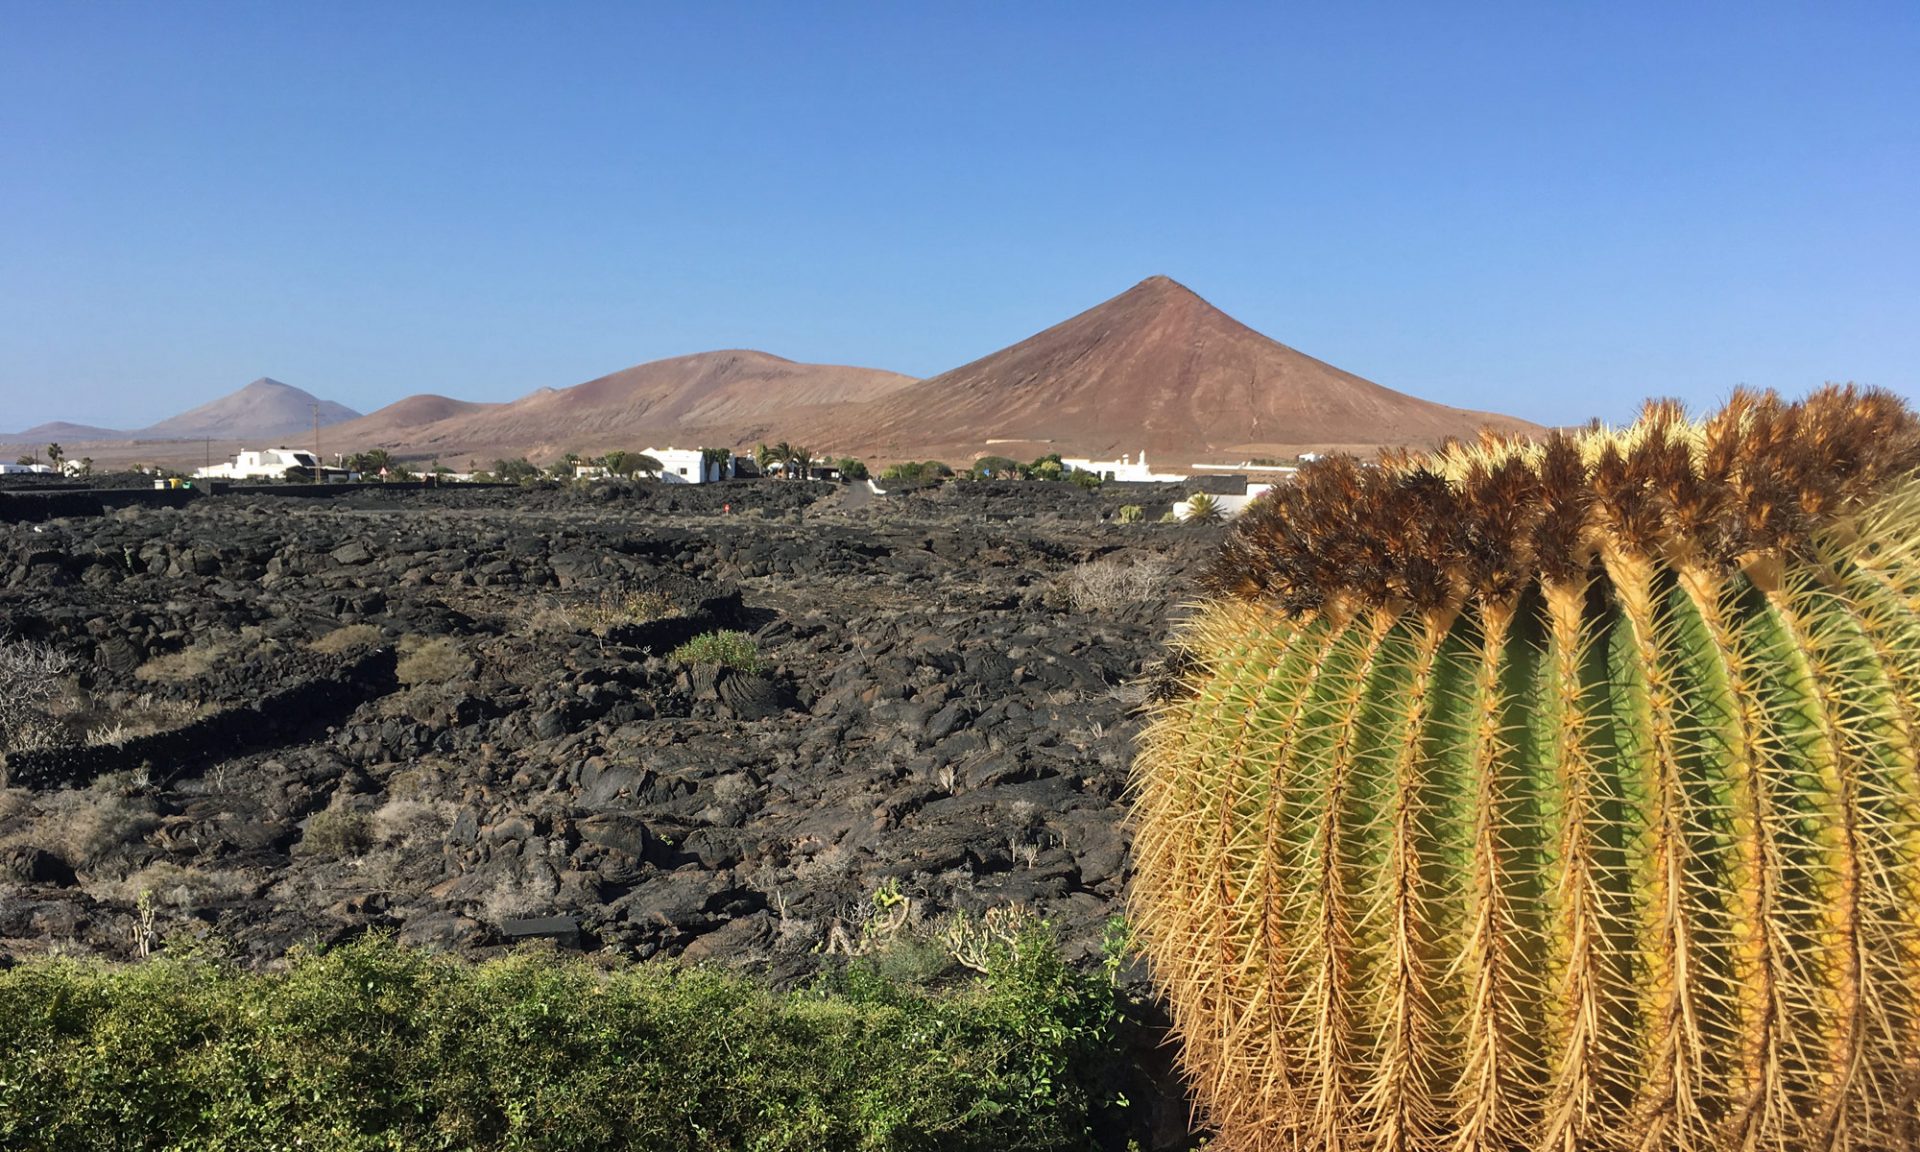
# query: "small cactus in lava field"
1558,795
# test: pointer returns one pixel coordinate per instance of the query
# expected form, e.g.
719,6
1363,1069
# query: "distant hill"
1158,369
264,409
401,419
61,430
710,398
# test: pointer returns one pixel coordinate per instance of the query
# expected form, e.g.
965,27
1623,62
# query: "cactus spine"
1555,796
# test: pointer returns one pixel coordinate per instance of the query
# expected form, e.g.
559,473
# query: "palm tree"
646,465
783,456
762,456
1203,509
55,454
803,462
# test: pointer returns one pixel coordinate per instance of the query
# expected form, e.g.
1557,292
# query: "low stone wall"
33,507
269,720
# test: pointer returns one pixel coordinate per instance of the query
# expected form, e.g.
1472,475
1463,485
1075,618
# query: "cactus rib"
1558,796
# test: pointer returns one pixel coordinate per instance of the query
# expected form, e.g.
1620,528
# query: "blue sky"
1546,209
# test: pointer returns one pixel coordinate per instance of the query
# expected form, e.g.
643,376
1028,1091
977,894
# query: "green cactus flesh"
1555,796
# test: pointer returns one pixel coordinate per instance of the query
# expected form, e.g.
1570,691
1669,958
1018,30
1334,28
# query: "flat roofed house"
267,464
686,466
1125,470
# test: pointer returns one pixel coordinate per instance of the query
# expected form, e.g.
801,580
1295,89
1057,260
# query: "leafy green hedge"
372,1046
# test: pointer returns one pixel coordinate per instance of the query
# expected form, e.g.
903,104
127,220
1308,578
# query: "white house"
1229,505
1124,470
25,469
677,466
1250,468
266,464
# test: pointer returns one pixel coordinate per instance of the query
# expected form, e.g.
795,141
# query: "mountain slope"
715,398
263,409
62,430
402,418
1155,368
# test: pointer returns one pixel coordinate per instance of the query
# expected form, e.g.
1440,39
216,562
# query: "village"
1216,491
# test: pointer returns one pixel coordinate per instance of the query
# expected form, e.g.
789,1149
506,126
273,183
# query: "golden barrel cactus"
1555,795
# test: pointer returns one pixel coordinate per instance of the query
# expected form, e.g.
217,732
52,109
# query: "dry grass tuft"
435,660
86,828
171,886
338,832
1113,583
602,612
410,823
517,896
354,638
33,679
185,665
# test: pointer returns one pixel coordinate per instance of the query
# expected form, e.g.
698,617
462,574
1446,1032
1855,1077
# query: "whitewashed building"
266,464
686,466
677,466
25,469
1125,470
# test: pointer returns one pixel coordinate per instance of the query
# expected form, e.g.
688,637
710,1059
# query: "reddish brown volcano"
712,399
1155,368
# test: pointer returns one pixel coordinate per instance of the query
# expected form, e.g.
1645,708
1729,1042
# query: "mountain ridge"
1159,369
1154,369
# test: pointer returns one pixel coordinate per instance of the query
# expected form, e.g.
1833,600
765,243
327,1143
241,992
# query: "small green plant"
1203,509
728,649
1131,514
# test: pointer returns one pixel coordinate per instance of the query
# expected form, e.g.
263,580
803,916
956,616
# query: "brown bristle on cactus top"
1557,795
1760,477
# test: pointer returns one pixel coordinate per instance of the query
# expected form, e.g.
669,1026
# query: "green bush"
728,649
372,1046
997,468
1132,514
912,470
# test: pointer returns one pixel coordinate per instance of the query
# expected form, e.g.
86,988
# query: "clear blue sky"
1548,209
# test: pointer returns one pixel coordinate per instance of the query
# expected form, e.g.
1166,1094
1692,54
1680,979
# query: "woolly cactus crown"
1755,481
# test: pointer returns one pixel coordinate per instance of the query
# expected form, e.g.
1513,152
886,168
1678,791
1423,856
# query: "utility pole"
316,431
